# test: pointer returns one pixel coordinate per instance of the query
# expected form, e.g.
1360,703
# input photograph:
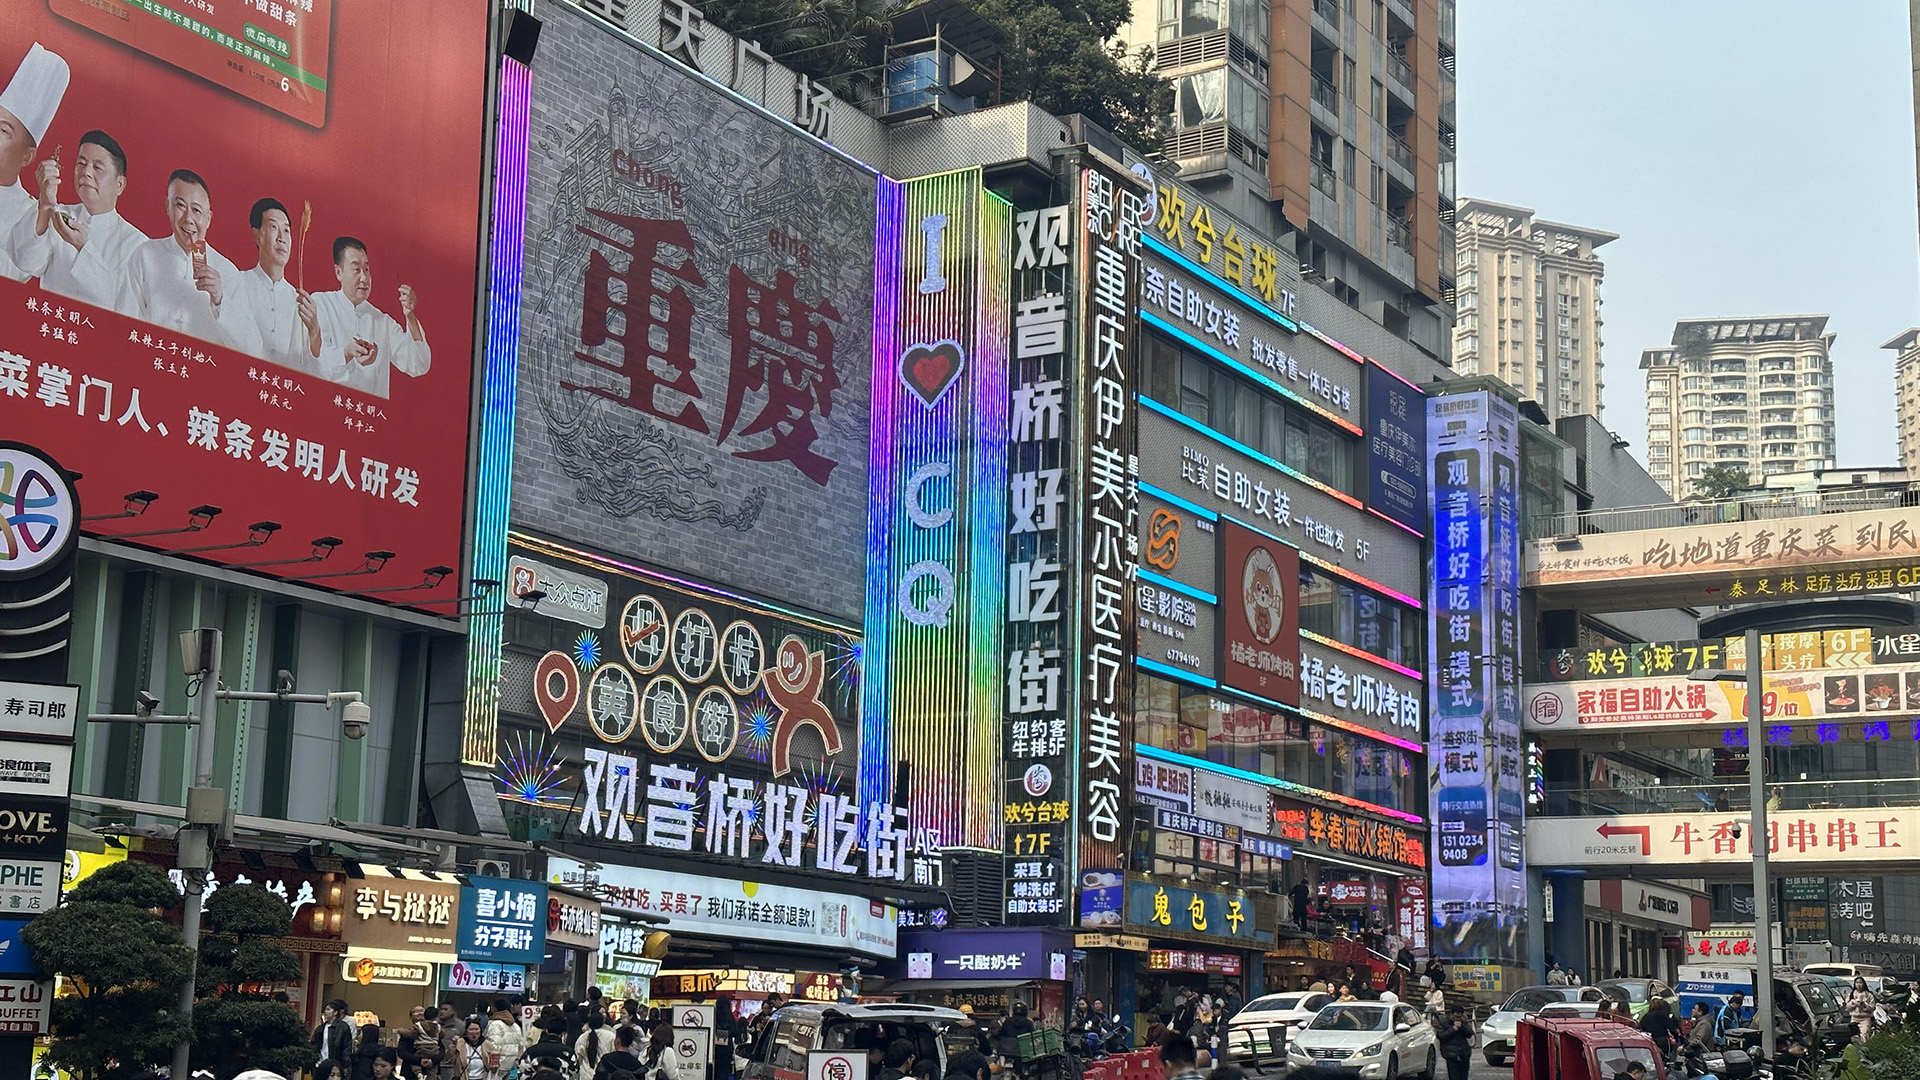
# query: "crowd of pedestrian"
597,1039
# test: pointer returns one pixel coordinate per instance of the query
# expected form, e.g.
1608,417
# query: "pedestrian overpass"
1781,546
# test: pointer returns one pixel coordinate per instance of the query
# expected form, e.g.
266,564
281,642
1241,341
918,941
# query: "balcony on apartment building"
1326,102
1400,156
1328,14
1399,72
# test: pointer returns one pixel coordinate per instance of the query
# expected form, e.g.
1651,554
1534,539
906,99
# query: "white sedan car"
1250,1031
1499,1031
1378,1040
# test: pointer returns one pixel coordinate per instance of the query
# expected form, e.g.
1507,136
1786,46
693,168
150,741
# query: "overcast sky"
1755,158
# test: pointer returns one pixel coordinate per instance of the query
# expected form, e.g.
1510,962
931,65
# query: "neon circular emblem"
38,513
716,724
696,645
613,702
663,714
743,657
643,634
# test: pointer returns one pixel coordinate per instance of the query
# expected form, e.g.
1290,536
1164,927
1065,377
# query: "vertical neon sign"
1479,885
1109,495
494,484
936,487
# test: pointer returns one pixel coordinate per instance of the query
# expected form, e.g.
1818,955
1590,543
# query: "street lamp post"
1757,795
206,810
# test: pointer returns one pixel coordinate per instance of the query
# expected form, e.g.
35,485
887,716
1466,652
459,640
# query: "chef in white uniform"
284,318
359,343
79,250
27,106
179,281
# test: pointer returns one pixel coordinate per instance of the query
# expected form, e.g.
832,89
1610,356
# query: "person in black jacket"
1660,1025
367,1052
622,1058
1456,1044
1012,1028
333,1039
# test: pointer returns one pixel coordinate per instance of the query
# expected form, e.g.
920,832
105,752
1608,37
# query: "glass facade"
1215,727
1209,393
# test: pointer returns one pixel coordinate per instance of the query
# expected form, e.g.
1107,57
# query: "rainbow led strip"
493,487
931,692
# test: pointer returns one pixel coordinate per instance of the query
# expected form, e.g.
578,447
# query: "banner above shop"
1766,559
745,910
1866,835
404,917
986,954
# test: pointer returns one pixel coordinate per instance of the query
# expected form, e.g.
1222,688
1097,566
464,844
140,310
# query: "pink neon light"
1364,580
1362,654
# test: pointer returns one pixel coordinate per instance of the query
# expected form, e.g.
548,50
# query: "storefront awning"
296,832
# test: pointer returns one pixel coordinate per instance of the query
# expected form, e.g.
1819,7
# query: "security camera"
1736,830
144,703
354,717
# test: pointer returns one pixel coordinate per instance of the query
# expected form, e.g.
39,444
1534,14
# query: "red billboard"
1260,611
237,265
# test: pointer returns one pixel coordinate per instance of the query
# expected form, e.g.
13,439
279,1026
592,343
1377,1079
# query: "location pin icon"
556,688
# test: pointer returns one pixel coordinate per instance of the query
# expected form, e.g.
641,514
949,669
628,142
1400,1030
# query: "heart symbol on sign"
929,369
556,688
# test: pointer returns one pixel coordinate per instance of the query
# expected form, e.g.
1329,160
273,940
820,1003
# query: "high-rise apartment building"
1529,306
1339,113
1906,396
1752,393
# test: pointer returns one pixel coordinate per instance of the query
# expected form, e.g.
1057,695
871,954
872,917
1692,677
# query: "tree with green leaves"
830,41
1721,481
236,1024
125,964
1061,55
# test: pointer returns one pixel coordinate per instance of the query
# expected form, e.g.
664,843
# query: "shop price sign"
503,920
490,978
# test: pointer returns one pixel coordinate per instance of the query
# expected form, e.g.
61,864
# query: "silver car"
1497,1034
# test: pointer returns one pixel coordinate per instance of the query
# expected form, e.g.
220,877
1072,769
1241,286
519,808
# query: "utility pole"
197,833
207,819
1762,895
1755,680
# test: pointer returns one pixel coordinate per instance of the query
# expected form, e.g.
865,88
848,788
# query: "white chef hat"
37,87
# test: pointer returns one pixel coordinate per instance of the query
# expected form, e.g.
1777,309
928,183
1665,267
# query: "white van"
1875,976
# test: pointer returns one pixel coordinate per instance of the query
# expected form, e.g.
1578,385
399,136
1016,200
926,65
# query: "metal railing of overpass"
1752,506
1729,797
